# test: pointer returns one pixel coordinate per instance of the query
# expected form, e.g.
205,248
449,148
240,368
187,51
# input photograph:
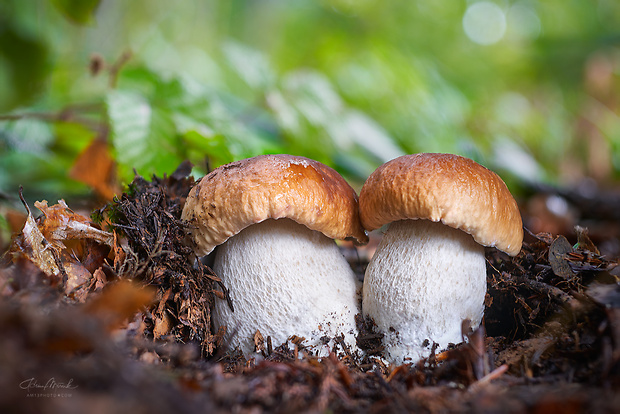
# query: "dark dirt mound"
125,327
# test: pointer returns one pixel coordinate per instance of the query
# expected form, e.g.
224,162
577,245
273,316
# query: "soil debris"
158,254
138,335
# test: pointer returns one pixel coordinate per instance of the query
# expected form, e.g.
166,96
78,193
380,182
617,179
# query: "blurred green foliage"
528,89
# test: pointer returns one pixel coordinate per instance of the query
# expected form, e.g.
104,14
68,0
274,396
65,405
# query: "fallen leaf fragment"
259,342
583,240
43,241
119,302
15,219
77,277
34,245
162,326
62,223
100,279
95,167
557,257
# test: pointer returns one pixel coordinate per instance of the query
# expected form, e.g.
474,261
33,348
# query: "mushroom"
428,273
274,218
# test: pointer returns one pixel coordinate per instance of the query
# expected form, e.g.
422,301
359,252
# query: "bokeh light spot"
484,23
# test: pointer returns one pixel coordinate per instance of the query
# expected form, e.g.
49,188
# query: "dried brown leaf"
100,279
558,250
259,342
584,241
34,245
162,326
95,167
61,223
78,280
15,219
119,302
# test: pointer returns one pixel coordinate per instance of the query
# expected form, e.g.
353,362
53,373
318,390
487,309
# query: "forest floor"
119,321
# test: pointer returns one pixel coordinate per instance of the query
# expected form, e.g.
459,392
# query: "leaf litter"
117,307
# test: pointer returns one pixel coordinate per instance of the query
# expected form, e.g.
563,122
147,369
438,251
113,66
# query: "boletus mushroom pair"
274,217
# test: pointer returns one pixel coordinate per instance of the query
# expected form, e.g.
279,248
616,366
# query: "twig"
496,373
115,68
65,115
21,197
553,292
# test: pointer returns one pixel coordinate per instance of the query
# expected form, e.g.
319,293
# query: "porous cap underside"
448,188
239,194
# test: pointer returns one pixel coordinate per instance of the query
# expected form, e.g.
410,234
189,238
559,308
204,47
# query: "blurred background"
93,90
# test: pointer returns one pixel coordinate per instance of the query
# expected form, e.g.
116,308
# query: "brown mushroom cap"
448,188
239,194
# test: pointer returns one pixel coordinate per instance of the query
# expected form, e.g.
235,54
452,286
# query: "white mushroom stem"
423,281
284,280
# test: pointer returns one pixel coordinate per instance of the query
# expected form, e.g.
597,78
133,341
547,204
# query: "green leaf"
26,135
144,137
140,80
313,96
250,64
77,11
357,128
23,65
71,138
213,146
